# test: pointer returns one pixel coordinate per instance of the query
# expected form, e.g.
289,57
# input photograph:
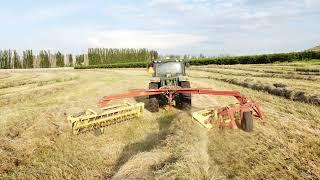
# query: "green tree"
70,60
16,60
10,64
59,59
5,59
27,59
2,60
98,56
79,59
44,59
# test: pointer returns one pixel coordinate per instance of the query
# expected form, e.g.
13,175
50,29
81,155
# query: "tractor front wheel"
153,105
247,121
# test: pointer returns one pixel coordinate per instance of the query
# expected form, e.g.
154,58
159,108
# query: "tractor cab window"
170,69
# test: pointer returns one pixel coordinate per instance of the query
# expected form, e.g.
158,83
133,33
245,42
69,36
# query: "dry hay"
4,75
40,146
181,154
261,73
9,156
20,140
308,70
279,85
277,89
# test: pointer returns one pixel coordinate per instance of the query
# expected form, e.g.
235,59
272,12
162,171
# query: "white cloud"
312,3
144,39
171,5
41,14
174,26
53,12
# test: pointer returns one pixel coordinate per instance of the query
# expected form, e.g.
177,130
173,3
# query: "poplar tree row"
10,59
98,56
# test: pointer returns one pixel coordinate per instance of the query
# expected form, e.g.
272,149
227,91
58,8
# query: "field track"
36,140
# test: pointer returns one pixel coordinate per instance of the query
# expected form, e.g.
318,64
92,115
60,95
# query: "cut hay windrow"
274,89
182,154
269,75
39,92
308,70
250,68
37,82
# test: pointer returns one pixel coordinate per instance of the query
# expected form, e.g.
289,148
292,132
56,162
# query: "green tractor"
168,73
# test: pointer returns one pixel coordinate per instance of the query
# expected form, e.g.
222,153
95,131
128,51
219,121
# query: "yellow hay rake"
204,117
91,120
208,117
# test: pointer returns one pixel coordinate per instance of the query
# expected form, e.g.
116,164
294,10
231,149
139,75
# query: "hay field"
36,140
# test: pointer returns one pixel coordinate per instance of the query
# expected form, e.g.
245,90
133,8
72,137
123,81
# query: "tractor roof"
168,60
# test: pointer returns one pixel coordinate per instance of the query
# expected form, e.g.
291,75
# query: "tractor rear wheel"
184,100
153,105
247,121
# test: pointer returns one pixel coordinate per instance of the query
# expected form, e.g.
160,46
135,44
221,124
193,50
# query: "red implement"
171,92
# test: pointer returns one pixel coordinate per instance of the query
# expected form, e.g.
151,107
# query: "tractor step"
91,120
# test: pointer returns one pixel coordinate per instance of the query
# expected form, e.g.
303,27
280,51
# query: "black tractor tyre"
186,102
153,105
161,98
247,121
183,101
153,85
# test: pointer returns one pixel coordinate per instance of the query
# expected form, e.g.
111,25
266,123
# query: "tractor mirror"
150,70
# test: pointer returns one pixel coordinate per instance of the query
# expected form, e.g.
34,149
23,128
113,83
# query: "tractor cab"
168,72
169,68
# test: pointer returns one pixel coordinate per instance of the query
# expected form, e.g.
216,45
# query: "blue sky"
210,27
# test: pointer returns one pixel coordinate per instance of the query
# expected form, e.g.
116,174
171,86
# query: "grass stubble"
180,152
36,140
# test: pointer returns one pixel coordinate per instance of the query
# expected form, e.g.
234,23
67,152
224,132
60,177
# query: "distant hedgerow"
257,59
